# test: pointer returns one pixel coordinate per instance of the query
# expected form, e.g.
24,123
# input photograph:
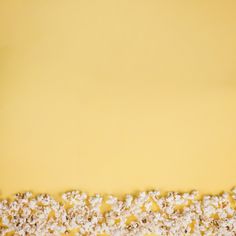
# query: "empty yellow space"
117,96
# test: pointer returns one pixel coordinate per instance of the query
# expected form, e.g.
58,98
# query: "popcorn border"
171,213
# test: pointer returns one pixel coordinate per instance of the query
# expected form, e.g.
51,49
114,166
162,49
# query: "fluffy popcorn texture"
171,213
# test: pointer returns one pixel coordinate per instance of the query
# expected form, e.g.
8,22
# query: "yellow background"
117,96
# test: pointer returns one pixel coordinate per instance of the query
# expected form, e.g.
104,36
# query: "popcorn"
128,201
111,200
178,214
148,206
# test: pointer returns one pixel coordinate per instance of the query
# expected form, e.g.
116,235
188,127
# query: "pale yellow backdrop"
117,96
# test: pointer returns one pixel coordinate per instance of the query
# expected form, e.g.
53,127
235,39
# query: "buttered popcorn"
170,213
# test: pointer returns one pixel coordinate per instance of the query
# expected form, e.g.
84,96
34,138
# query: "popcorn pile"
76,213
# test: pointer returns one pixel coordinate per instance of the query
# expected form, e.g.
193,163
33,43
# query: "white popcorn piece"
111,200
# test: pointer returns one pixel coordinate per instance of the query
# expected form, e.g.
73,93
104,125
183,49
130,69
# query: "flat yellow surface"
117,96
